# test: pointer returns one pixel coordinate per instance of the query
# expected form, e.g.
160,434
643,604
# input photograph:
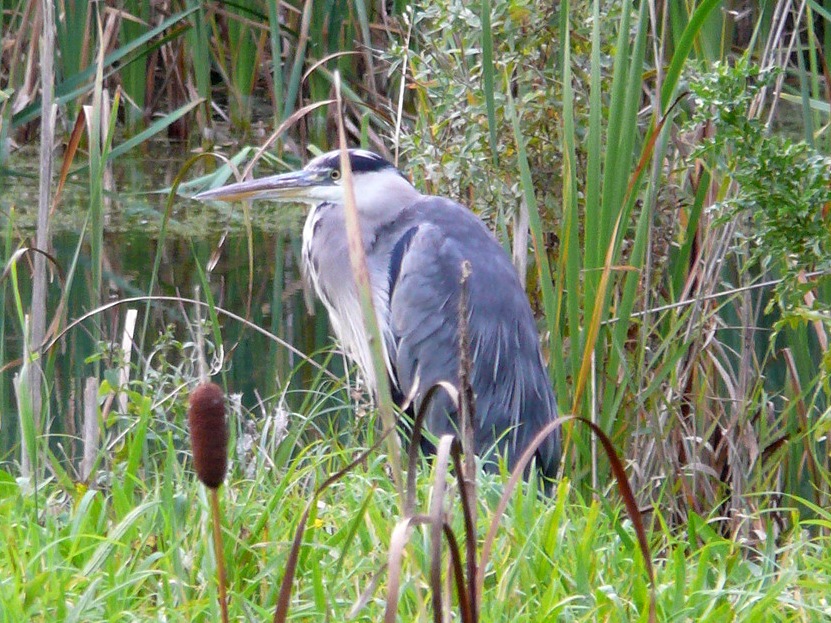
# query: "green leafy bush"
782,186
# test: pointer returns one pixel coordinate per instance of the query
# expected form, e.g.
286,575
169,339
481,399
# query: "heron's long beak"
285,187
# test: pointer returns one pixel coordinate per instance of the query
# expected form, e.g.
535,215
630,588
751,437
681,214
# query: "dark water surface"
200,239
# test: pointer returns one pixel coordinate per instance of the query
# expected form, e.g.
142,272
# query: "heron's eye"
335,174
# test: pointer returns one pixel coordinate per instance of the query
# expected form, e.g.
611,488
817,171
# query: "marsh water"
214,241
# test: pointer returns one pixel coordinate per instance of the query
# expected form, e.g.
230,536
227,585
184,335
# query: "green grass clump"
103,555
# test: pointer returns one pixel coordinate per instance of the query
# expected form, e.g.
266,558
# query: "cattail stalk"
222,578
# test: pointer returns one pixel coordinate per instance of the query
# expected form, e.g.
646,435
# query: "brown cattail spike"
209,434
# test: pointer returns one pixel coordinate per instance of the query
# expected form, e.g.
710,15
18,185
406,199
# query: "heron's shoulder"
447,233
434,202
448,215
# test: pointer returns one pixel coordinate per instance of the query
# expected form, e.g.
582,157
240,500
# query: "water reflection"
253,275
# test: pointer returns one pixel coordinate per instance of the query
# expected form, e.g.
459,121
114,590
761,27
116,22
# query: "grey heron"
415,245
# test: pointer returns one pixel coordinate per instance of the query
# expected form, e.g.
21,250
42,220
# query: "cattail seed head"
209,434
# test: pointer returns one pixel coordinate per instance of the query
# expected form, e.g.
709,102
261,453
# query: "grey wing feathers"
513,394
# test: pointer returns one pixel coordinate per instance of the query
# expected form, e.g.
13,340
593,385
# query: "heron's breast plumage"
327,265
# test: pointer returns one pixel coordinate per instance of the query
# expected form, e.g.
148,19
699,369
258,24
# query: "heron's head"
376,183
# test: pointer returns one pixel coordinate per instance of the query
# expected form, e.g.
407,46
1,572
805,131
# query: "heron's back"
513,394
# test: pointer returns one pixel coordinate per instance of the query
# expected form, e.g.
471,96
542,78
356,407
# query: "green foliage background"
660,174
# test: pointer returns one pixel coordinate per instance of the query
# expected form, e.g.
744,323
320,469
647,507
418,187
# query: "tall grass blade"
683,47
488,78
296,76
93,116
616,156
73,45
277,70
363,24
593,215
152,130
5,328
360,271
200,56
134,75
69,156
244,59
27,419
544,277
135,451
570,261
